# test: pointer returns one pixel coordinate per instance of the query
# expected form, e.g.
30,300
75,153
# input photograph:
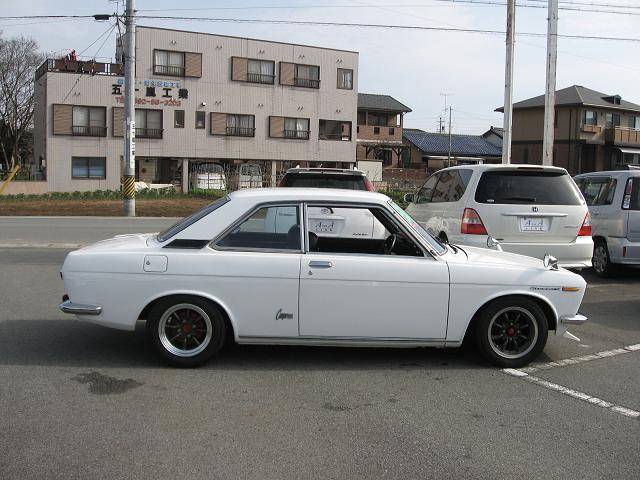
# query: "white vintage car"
229,272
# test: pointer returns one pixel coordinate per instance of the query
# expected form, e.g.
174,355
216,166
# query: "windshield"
191,219
419,229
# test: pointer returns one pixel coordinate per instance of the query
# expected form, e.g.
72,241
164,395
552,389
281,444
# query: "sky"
415,67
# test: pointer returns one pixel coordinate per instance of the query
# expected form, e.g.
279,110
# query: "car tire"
511,331
186,331
601,260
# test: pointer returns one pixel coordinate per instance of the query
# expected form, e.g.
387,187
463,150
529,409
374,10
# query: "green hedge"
115,195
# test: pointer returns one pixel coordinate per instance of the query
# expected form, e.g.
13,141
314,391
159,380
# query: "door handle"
320,264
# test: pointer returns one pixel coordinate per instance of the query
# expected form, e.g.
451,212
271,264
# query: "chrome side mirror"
409,197
493,243
550,262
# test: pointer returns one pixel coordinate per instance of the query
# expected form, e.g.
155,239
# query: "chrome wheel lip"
599,259
170,347
532,341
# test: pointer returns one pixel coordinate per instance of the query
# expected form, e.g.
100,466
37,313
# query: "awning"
630,150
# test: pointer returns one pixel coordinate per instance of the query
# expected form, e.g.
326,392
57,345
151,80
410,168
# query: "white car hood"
487,256
121,242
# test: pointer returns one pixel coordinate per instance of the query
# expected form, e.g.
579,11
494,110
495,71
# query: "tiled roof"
578,95
461,145
369,101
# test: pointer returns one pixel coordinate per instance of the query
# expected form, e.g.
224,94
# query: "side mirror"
493,243
550,262
409,197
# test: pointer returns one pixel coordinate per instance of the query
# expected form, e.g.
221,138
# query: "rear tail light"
369,186
472,223
585,229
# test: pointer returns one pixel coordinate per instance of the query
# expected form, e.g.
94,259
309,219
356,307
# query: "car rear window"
312,180
527,187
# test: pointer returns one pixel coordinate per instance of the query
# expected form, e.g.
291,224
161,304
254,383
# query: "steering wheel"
390,243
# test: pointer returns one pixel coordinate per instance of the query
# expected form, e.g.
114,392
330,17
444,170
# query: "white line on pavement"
627,412
580,359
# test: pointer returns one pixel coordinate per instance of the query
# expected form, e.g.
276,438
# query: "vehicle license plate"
323,226
534,224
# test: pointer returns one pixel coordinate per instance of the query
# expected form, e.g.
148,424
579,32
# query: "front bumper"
576,319
78,309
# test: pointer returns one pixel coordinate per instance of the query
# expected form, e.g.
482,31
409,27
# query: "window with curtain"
307,76
260,71
240,125
88,167
89,121
166,62
148,123
590,117
345,79
296,128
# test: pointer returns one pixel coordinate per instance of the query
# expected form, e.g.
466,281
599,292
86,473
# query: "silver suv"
613,199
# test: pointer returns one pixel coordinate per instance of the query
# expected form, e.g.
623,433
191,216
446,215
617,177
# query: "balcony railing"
307,82
299,134
260,78
172,70
90,67
87,131
149,132
333,136
241,131
622,135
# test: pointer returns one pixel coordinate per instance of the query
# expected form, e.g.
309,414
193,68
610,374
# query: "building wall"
213,92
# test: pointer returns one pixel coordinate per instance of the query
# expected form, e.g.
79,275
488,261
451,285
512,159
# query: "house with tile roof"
594,131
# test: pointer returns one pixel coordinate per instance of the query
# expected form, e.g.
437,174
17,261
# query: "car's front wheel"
185,331
511,331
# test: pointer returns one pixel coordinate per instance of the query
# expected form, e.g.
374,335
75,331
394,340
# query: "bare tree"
19,58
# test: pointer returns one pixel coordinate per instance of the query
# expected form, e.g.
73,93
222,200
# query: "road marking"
585,397
40,245
581,359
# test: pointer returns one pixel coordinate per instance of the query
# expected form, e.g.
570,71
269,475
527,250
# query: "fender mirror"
493,243
550,262
409,197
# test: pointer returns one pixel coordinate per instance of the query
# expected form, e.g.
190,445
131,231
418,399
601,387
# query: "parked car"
328,222
530,210
614,204
208,176
249,175
226,272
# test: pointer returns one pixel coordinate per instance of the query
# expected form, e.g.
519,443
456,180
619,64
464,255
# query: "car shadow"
626,275
77,344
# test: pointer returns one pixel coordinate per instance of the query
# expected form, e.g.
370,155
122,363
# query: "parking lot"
82,401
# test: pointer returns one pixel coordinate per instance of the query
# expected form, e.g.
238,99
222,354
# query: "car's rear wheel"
511,331
601,260
185,331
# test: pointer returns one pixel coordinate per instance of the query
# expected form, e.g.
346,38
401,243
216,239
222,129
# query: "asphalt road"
81,401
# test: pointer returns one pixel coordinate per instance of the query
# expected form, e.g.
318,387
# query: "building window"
178,118
148,123
200,119
240,125
612,120
307,76
89,121
260,71
334,130
380,119
166,62
296,128
392,131
634,122
362,118
345,79
376,130
89,167
590,117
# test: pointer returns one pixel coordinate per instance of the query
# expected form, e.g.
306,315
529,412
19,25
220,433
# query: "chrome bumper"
577,319
77,309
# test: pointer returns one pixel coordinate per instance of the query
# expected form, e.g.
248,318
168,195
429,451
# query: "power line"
385,26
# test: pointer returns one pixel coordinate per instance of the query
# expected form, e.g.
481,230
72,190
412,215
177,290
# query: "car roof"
332,171
611,173
259,195
498,166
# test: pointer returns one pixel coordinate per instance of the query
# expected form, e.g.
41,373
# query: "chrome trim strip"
577,319
349,341
78,309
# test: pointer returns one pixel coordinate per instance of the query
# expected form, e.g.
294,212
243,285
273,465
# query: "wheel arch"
226,312
548,309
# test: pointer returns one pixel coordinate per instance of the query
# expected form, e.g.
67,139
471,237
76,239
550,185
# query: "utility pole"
129,181
508,82
440,124
550,93
449,160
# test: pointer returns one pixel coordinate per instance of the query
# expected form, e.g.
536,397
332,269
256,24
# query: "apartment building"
203,102
594,131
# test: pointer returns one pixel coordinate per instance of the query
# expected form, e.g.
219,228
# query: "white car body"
614,215
504,221
305,297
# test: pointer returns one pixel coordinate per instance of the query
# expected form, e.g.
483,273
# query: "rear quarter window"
527,187
345,182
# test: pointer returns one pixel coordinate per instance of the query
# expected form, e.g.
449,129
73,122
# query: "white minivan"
614,203
530,209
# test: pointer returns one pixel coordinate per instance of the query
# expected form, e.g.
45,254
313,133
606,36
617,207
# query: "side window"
607,197
425,193
591,188
449,188
268,228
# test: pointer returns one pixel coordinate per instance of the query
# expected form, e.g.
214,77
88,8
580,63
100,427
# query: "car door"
631,206
423,210
345,293
255,269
